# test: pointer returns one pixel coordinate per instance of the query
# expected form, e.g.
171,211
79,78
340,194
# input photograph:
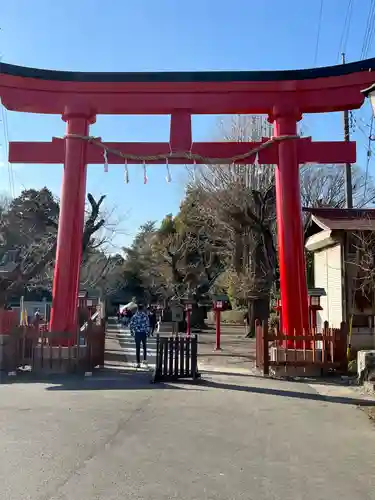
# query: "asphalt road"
231,437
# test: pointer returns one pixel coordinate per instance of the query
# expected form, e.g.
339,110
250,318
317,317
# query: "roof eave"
368,91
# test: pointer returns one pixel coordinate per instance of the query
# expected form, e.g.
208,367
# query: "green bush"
352,366
229,317
273,321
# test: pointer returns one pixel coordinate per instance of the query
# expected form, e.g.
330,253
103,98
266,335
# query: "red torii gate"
283,95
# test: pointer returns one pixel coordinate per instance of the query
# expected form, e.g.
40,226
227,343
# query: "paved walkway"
237,352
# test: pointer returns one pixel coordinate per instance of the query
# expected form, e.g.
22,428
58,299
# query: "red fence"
33,347
8,321
325,349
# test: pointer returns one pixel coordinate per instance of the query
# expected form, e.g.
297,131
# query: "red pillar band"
71,220
290,228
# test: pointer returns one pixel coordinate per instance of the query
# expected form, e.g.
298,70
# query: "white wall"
328,275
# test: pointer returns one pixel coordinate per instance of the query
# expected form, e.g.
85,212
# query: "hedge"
230,317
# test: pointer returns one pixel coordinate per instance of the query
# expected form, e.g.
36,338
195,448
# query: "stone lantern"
314,304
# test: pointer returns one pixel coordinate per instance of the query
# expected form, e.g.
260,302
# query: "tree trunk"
259,300
258,308
197,317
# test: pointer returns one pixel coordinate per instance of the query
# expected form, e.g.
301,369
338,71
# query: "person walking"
37,318
139,327
152,320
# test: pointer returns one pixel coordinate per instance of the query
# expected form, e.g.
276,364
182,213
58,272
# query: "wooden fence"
325,349
176,358
37,349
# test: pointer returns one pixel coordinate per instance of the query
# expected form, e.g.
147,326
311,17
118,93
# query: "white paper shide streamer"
145,178
168,177
126,172
105,154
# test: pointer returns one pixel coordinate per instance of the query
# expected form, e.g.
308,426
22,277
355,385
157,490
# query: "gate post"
343,350
218,305
266,354
258,344
71,221
218,330
289,220
188,310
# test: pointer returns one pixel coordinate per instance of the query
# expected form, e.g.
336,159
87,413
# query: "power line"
369,153
368,39
366,134
366,46
369,31
318,34
346,29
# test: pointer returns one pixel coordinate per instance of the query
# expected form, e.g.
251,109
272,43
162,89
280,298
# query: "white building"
332,239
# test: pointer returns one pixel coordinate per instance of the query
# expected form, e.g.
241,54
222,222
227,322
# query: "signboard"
219,304
189,307
177,313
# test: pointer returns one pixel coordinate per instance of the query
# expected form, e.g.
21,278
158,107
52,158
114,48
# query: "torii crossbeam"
283,95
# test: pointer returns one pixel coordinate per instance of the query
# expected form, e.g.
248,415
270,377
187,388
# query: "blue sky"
154,35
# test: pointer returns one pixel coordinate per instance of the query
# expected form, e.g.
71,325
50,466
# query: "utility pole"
348,167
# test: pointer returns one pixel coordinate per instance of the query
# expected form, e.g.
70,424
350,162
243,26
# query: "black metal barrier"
176,358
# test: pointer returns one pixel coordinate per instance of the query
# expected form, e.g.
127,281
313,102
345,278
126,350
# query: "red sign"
189,307
219,304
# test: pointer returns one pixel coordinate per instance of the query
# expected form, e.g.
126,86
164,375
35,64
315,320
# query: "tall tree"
28,229
324,186
142,274
241,201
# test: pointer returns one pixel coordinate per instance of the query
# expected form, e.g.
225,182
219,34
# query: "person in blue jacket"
139,327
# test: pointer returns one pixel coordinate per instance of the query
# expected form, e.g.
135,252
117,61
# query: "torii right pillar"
293,285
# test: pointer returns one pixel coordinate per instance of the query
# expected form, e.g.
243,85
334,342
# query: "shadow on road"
115,356
103,380
112,379
287,393
116,379
207,371
221,354
129,383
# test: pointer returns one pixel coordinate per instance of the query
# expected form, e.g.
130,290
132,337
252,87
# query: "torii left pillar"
71,220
